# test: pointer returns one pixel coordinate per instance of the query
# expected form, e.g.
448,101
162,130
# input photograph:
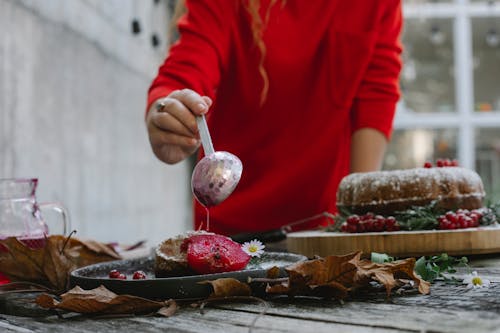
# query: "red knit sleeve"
196,60
375,101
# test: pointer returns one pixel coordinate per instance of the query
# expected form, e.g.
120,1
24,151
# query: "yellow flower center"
477,281
252,248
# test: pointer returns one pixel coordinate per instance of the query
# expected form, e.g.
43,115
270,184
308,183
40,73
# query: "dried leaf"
336,276
169,309
51,264
387,273
226,287
273,272
329,277
102,301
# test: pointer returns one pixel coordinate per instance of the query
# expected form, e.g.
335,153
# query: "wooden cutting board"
398,244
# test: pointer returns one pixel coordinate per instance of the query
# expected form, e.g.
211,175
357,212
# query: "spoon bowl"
216,175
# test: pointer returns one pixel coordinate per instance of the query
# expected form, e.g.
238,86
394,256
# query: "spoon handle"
206,141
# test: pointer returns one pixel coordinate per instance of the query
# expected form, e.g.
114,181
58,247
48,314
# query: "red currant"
390,222
122,276
452,217
454,163
353,219
428,165
368,225
114,274
343,227
440,163
139,275
352,228
378,225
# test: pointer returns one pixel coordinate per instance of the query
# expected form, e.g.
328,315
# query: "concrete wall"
73,82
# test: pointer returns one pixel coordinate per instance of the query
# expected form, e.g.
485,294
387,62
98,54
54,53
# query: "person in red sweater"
303,92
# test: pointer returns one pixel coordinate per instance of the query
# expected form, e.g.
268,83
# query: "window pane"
427,79
486,50
412,148
488,160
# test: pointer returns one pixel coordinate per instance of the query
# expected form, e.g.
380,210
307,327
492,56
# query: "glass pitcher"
20,214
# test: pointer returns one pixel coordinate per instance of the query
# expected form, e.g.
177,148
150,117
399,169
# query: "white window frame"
465,119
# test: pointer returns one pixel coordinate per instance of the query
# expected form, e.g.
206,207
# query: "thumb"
207,100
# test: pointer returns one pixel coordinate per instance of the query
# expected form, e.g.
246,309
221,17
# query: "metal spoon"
216,175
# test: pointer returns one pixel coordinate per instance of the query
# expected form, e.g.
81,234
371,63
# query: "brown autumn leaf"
51,264
388,273
328,277
226,287
103,301
273,272
336,276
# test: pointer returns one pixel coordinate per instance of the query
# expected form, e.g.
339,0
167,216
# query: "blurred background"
74,77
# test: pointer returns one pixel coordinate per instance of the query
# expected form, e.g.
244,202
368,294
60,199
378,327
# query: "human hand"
171,123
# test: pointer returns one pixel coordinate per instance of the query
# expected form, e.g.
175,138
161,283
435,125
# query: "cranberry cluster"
442,162
369,223
115,274
462,218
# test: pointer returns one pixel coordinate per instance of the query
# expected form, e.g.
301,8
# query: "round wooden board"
399,244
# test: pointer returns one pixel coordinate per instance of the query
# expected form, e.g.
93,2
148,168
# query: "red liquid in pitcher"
34,243
31,242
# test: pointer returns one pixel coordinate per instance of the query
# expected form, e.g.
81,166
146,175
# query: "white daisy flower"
475,281
253,248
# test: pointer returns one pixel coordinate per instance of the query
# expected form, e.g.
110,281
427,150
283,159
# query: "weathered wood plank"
449,308
187,320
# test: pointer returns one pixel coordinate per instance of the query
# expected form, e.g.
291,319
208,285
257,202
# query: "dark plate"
93,276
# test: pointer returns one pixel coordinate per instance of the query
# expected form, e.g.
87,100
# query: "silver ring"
160,105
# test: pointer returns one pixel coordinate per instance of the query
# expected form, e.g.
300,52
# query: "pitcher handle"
58,207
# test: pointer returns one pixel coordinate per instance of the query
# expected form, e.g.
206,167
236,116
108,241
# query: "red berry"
452,217
367,216
478,213
215,254
114,274
361,227
378,225
394,227
139,275
122,276
440,163
447,162
390,222
343,227
454,163
352,228
428,165
444,224
353,219
368,224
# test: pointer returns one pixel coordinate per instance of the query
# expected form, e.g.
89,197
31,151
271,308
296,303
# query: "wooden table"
447,309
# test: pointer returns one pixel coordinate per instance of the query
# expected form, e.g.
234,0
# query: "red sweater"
333,67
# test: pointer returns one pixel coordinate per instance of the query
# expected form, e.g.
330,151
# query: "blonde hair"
257,26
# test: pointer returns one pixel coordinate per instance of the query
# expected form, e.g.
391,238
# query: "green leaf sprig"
419,217
432,267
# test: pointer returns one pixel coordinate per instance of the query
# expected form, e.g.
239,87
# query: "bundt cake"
385,192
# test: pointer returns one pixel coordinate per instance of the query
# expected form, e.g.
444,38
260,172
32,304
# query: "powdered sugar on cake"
386,191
